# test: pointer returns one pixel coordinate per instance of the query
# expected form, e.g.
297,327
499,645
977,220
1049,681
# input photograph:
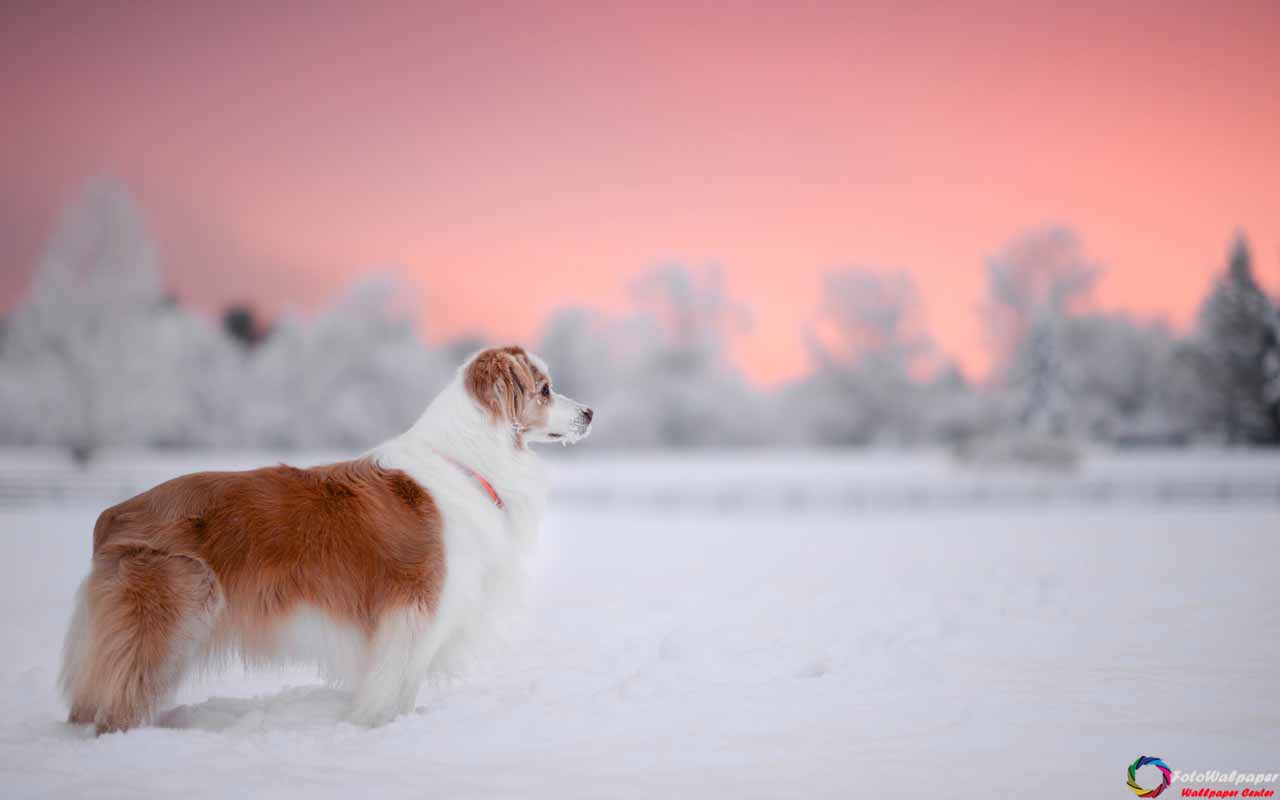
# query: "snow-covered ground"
792,649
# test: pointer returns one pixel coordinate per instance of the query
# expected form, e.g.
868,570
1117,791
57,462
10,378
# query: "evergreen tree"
1271,369
1236,343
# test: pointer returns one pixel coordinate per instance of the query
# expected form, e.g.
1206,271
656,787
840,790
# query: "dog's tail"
75,653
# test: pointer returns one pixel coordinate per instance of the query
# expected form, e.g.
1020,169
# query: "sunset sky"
508,160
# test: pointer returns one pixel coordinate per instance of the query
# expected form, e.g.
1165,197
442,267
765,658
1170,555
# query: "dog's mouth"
572,436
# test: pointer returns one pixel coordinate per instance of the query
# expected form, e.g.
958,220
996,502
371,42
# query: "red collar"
480,479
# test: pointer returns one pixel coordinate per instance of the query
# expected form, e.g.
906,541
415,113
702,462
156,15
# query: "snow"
703,649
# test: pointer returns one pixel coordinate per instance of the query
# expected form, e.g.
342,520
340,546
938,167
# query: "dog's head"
514,388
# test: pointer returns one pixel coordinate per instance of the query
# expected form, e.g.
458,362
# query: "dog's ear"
500,380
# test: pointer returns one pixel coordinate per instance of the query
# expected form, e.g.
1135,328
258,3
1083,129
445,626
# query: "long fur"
383,570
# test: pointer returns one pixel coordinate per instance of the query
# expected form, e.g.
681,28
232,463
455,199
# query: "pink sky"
510,162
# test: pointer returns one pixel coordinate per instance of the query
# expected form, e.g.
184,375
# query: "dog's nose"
588,414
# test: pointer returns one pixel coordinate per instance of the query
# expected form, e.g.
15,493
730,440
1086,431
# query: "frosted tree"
1236,341
97,354
674,383
1121,375
869,349
577,344
950,410
1033,285
355,374
871,317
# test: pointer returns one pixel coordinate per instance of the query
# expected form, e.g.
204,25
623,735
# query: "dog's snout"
587,414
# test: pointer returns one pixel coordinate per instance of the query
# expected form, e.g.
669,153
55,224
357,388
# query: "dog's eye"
546,390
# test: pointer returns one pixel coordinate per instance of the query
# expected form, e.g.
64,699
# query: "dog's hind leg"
147,612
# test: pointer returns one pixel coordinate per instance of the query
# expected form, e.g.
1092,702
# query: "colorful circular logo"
1143,761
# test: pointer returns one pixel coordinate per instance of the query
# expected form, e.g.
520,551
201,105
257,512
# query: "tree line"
98,354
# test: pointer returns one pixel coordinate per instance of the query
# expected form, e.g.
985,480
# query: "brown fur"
508,385
223,557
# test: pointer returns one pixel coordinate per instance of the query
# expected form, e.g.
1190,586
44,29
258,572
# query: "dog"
380,569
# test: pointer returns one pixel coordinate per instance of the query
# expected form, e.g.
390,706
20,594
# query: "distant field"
737,482
681,643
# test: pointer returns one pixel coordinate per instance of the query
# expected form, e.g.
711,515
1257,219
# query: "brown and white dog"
378,569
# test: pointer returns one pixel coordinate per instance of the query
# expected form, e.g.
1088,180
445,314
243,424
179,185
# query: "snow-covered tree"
350,377
97,353
1032,286
659,376
1236,340
869,350
577,344
1122,378
950,410
874,317
679,377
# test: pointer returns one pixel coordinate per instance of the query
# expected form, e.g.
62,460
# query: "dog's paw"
371,716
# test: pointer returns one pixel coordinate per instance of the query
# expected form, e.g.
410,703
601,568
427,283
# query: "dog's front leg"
397,644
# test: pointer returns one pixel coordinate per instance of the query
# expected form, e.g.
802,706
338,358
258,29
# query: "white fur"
484,545
310,635
75,647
